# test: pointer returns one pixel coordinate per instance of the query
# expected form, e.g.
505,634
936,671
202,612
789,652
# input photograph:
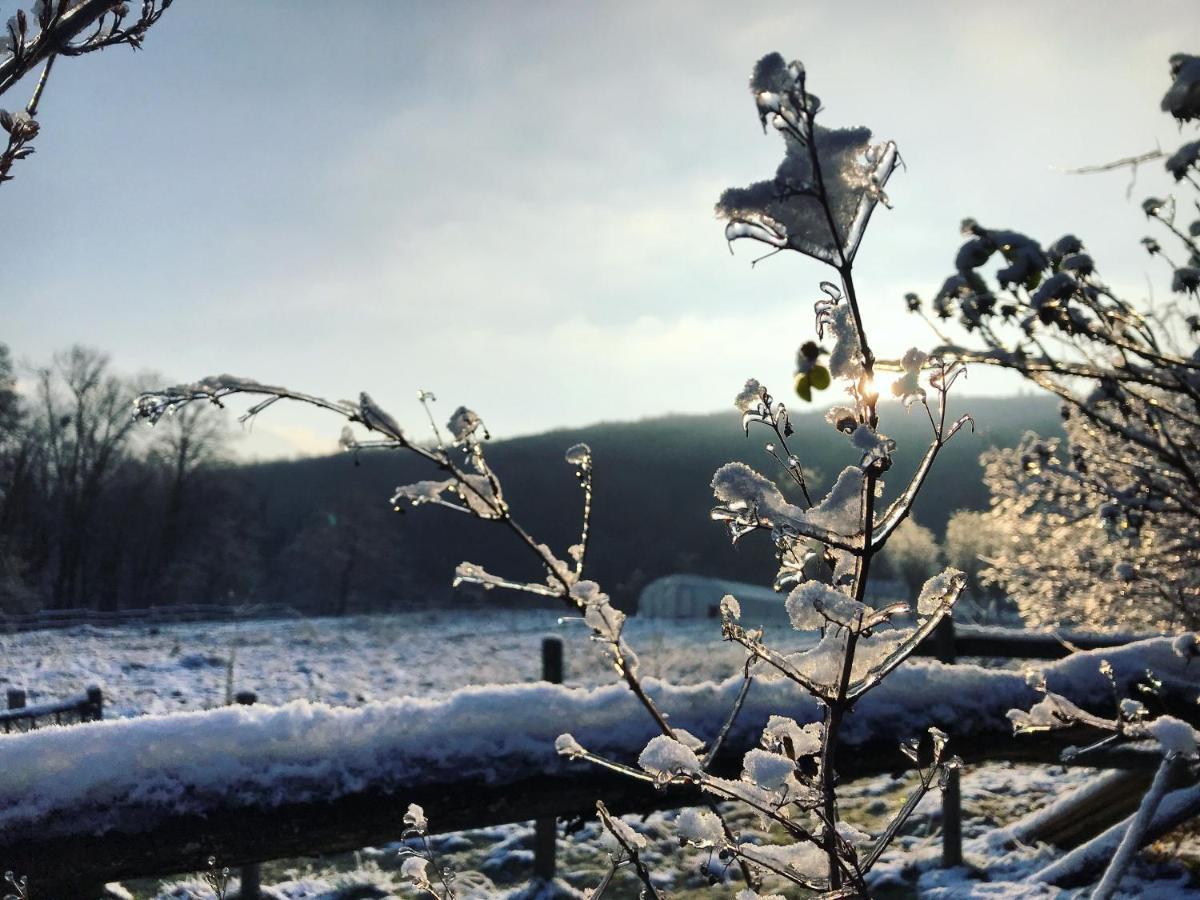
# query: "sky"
511,203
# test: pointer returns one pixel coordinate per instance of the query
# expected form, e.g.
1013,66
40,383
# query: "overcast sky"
510,203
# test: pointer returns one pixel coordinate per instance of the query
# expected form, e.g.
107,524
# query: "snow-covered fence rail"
155,615
21,717
951,641
159,795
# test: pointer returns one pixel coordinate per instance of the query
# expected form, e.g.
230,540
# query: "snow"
813,605
1173,735
700,827
667,756
331,744
108,774
768,770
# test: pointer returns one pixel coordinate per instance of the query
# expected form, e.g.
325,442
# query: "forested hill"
331,542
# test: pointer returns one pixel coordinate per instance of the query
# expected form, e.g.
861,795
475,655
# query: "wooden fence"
183,842
155,615
21,717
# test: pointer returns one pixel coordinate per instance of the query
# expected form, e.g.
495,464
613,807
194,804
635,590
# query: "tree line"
100,512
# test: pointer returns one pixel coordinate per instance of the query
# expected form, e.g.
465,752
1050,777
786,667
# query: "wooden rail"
21,717
951,642
156,615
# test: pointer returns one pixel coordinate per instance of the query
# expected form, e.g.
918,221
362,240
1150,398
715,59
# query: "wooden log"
1083,864
1082,814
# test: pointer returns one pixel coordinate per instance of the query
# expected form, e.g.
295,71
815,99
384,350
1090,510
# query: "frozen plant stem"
818,205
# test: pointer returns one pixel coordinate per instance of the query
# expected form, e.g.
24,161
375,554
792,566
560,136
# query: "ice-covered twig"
627,839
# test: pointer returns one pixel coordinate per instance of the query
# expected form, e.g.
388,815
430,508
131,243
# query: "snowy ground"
350,661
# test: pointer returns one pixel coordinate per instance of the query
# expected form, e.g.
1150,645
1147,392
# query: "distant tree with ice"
1102,528
913,554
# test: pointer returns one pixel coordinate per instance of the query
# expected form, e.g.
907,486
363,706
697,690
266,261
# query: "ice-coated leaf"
464,423
1053,711
788,210
414,818
624,833
840,510
822,664
413,868
940,592
1173,735
813,605
566,745
375,418
907,387
750,499
873,445
730,608
699,827
666,756
750,398
768,770
785,735
1182,99
845,359
805,859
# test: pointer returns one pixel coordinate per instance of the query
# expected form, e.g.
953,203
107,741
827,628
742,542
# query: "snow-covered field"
163,669
347,661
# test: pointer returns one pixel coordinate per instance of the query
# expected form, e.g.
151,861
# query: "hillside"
332,542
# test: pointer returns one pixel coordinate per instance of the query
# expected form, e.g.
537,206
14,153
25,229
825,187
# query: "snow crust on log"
118,774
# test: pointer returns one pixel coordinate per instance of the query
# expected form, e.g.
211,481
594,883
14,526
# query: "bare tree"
57,28
81,423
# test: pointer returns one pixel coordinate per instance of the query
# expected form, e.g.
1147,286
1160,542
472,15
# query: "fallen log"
1085,863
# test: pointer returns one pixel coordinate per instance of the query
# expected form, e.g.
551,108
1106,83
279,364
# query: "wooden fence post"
95,698
250,875
16,700
943,641
545,831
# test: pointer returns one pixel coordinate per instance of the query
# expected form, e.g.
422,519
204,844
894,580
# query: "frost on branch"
749,500
819,212
845,360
